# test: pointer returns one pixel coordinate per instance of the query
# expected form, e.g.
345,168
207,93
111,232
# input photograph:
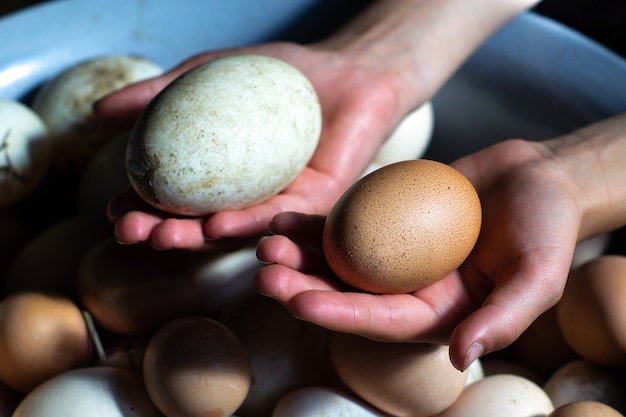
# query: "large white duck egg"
226,135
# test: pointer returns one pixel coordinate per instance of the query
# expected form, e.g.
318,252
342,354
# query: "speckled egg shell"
402,227
227,134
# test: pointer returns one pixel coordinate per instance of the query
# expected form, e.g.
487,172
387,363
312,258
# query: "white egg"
475,372
225,278
227,134
93,392
411,137
590,248
501,395
580,380
25,150
409,140
65,104
322,401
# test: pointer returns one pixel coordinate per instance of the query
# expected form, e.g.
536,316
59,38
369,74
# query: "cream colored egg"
501,395
411,137
25,150
93,392
323,401
475,371
402,227
285,353
402,379
592,314
65,104
581,380
227,134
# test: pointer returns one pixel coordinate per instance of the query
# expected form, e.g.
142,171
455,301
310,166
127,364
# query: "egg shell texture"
592,314
99,391
402,227
402,379
196,367
40,336
501,395
585,409
25,151
135,289
65,104
225,135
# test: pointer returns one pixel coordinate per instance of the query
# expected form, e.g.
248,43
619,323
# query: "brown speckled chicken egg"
402,227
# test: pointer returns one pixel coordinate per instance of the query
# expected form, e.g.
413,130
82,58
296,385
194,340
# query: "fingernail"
474,352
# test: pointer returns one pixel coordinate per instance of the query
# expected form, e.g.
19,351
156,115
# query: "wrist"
420,43
592,160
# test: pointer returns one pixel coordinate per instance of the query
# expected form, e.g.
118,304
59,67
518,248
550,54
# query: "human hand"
360,109
516,271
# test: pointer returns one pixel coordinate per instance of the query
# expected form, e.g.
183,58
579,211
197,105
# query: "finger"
135,227
122,108
252,221
173,233
388,317
281,250
301,228
506,313
283,283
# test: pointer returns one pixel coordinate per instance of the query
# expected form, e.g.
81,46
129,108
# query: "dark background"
601,20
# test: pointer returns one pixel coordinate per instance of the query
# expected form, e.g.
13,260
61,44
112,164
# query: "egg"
25,151
402,379
581,380
541,346
585,409
196,367
65,104
225,135
49,261
135,289
592,314
409,140
285,353
323,401
93,391
40,337
501,395
495,366
402,227
226,277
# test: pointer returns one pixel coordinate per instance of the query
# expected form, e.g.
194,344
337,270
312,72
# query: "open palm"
359,109
516,271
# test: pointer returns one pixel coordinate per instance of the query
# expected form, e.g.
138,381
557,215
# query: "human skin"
386,62
539,199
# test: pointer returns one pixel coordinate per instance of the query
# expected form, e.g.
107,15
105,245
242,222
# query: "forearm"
594,160
422,41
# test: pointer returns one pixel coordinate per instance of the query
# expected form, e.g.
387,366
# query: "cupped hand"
360,108
516,271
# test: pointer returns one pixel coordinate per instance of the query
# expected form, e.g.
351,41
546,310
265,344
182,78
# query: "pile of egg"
91,327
